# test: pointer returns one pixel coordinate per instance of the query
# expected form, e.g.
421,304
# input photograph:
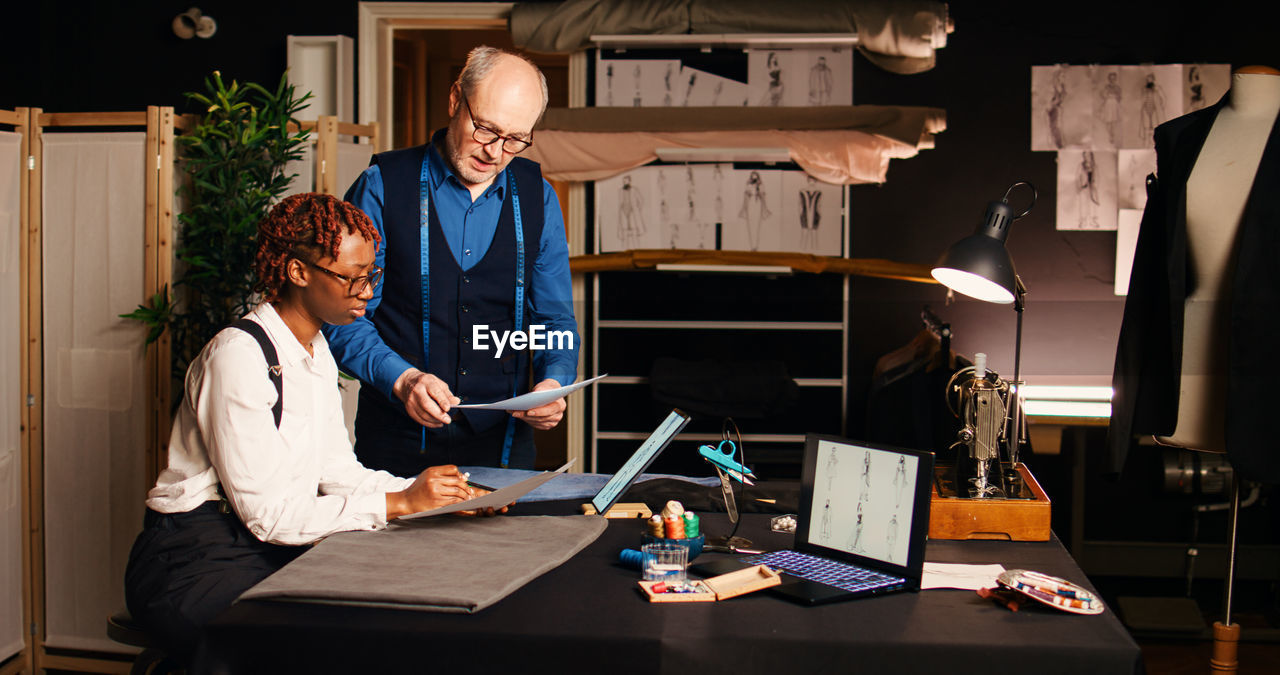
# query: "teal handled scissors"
723,458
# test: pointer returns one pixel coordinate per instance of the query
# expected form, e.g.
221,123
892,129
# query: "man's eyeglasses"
355,285
486,136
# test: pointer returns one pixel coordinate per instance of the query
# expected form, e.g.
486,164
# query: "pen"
466,476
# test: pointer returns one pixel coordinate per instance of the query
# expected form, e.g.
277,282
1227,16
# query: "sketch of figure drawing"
820,83
608,85
1152,111
717,175
900,481
1087,197
693,77
773,97
1110,113
755,209
635,74
1196,87
666,84
891,537
866,477
855,540
1056,102
715,94
831,469
630,219
826,521
689,195
810,215
664,212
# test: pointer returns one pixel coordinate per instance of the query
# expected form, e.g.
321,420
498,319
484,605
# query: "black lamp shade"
979,265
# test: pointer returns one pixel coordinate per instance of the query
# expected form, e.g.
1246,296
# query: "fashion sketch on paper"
630,218
755,208
1196,87
1152,111
1056,102
1087,191
826,521
773,96
1110,108
635,74
608,85
831,469
810,214
666,85
820,83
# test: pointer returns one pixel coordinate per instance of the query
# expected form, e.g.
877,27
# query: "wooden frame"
329,132
20,119
159,123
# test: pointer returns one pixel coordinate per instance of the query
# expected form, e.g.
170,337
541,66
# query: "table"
587,617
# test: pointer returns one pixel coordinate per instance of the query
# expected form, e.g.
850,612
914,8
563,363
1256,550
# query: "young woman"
246,489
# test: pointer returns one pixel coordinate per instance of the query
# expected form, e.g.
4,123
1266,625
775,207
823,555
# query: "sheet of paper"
963,577
532,399
498,498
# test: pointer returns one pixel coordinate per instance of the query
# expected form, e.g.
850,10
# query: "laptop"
640,460
861,528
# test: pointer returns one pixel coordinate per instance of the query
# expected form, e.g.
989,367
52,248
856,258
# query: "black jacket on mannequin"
1148,366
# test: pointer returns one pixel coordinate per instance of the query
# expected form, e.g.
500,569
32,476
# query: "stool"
122,628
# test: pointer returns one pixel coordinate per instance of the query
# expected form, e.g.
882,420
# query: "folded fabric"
444,564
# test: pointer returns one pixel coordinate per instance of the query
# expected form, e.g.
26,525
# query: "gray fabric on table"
443,564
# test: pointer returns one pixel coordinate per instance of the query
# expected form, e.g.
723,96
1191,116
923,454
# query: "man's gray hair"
480,62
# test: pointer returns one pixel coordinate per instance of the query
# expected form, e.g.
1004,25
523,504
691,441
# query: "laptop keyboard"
822,570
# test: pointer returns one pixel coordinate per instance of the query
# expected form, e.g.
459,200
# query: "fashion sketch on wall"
1203,84
800,77
1151,98
812,219
626,212
1086,190
753,211
701,88
1061,107
636,83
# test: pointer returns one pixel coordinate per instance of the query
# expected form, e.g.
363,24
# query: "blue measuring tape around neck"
424,270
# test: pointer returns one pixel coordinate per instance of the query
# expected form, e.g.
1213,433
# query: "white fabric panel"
11,633
305,167
95,404
353,159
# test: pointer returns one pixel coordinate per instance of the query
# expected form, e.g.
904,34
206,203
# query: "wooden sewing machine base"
1001,519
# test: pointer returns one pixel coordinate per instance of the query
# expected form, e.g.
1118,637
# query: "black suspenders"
273,362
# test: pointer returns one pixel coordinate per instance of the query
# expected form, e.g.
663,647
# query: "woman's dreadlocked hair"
306,226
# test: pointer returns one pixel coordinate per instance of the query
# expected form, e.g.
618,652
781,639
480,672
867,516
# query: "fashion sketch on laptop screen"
862,501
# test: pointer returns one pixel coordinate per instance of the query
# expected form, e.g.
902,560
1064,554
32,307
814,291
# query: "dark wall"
982,80
97,56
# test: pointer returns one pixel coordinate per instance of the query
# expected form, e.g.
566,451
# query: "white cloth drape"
11,640
95,407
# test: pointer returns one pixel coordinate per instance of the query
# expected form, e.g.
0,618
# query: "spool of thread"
656,528
631,558
673,508
675,527
691,524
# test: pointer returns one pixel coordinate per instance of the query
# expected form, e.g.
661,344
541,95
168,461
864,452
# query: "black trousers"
185,568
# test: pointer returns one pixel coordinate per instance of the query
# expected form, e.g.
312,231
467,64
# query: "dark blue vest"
386,437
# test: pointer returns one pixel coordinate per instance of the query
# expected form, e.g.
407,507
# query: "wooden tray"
722,587
1001,519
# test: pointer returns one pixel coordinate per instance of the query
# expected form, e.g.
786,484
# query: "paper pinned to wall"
1126,245
1134,167
1086,190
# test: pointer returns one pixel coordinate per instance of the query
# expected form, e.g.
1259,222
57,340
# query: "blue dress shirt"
469,227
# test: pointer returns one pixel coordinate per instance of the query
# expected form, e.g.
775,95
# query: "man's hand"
547,416
426,398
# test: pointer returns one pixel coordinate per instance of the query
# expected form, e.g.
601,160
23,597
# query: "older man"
476,263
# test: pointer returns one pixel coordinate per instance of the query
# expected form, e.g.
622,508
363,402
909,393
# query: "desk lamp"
980,267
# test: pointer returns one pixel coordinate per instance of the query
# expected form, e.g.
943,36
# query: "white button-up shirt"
292,485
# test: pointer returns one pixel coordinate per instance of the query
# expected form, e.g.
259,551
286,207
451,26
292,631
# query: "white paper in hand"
533,399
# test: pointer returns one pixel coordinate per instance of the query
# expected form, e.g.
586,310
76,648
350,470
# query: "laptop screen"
639,460
866,500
